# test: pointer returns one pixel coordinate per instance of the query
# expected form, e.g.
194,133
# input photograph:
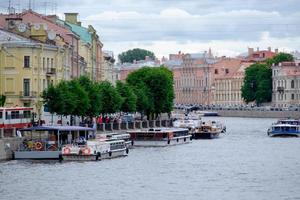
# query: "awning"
57,128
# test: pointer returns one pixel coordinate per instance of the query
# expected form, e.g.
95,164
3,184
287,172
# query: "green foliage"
110,99
128,98
281,57
79,97
135,54
153,88
53,98
2,100
258,79
93,94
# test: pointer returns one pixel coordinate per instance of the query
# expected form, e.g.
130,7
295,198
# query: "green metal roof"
83,32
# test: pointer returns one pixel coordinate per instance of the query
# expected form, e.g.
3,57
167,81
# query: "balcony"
51,71
280,89
28,96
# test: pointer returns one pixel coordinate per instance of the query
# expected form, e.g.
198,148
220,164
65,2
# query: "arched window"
292,84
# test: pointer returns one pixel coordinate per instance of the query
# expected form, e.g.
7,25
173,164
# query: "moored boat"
95,150
45,142
208,130
285,128
160,137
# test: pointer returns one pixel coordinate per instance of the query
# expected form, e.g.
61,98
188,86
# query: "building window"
292,96
26,61
216,71
226,71
26,87
44,64
292,84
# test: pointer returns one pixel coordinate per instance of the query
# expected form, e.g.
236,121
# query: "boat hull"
93,157
163,142
37,155
283,134
206,135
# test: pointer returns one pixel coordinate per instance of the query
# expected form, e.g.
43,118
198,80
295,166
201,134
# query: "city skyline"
166,27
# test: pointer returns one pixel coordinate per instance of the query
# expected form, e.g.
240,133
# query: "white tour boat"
94,150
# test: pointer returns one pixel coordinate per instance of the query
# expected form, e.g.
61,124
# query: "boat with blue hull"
285,128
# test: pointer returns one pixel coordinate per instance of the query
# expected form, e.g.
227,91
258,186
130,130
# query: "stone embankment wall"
5,151
259,114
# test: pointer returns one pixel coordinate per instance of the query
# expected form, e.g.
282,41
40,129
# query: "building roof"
8,37
83,32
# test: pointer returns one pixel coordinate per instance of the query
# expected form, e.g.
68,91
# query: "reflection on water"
242,164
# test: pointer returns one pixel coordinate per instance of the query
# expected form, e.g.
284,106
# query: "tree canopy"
128,98
2,100
258,79
154,90
135,54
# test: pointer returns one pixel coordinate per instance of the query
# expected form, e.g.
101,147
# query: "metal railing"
133,125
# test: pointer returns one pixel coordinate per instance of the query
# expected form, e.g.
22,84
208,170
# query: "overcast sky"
169,26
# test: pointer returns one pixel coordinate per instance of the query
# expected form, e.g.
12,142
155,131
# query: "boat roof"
285,125
57,128
163,130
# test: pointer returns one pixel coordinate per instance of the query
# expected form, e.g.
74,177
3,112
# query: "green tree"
2,100
110,100
79,97
154,90
128,98
258,79
135,54
281,57
53,98
93,94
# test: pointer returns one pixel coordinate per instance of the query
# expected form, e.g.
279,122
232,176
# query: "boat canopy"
57,128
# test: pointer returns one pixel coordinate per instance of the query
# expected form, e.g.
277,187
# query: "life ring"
67,150
38,146
86,151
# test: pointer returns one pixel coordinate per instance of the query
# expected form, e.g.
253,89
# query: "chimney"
276,51
71,18
269,49
250,51
209,52
53,18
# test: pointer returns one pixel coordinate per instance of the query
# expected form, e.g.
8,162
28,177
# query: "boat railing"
38,145
102,127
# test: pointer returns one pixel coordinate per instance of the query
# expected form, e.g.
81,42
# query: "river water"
242,164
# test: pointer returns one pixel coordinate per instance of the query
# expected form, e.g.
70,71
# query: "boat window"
0,115
15,114
26,114
7,116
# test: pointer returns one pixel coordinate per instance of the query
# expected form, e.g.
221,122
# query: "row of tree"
258,79
148,91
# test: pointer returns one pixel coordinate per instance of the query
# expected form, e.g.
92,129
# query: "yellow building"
27,68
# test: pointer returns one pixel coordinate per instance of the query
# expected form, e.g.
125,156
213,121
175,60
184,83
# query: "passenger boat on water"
119,136
285,128
208,130
46,142
94,150
159,137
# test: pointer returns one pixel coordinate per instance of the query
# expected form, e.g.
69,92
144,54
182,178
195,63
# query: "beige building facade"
228,80
193,79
